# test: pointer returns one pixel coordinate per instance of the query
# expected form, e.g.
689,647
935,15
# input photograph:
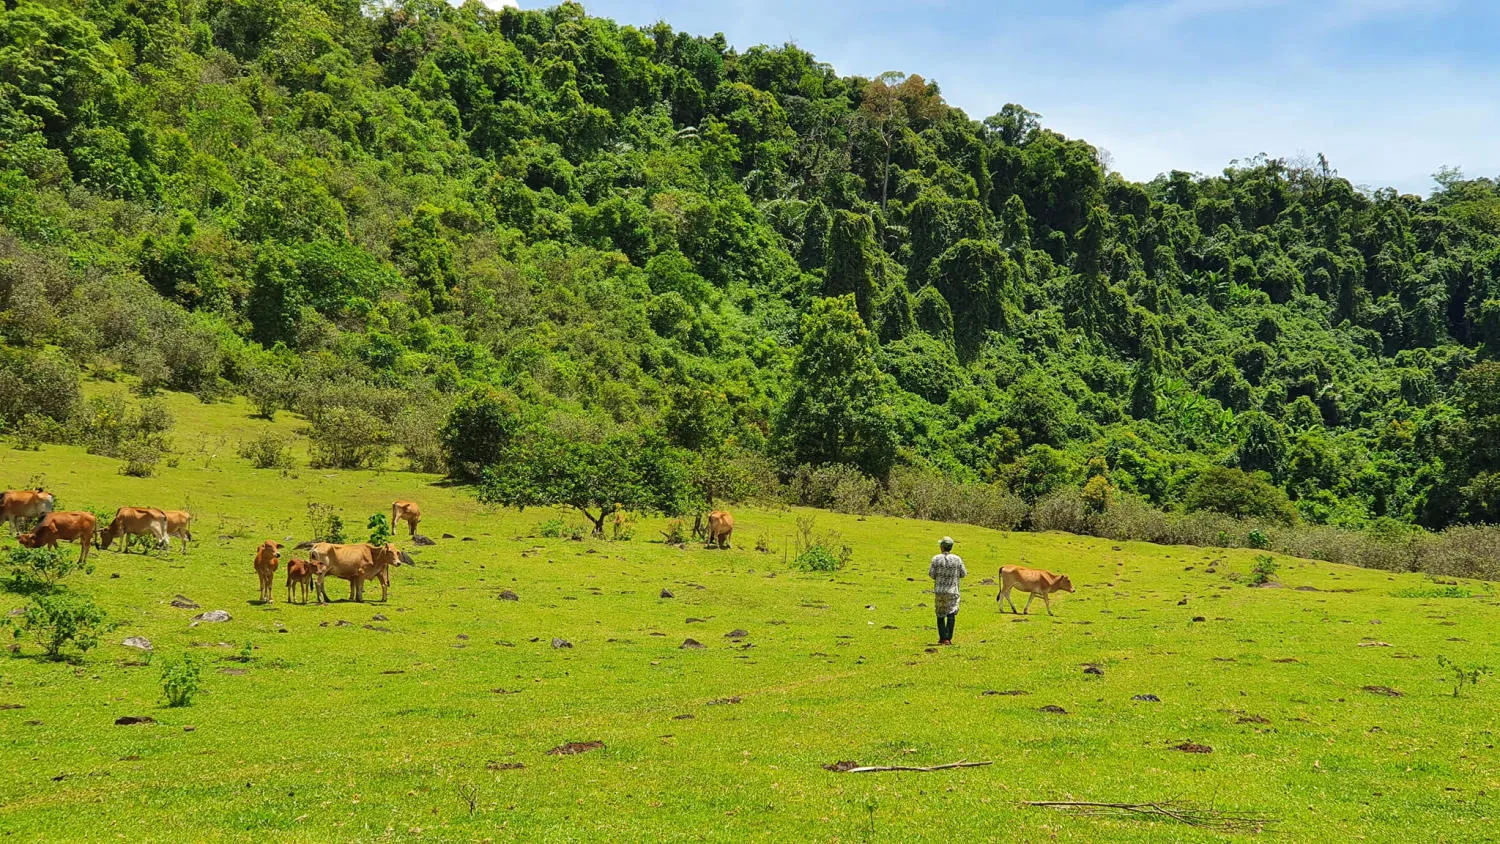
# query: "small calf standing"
267,558
720,526
299,573
1033,581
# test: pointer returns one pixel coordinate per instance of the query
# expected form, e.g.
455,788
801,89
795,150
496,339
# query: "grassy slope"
353,733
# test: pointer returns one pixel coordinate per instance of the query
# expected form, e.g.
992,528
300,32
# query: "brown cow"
356,564
1034,582
406,511
66,527
136,521
720,526
19,506
299,573
179,525
267,557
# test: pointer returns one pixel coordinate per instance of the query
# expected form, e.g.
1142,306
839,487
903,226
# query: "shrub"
380,529
477,431
1063,510
60,619
179,680
928,494
109,425
140,459
1240,494
418,431
326,524
1259,540
41,569
835,486
676,533
551,529
1264,570
270,450
818,558
45,384
1133,519
344,438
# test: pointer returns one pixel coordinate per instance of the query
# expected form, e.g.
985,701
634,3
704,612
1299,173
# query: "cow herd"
356,563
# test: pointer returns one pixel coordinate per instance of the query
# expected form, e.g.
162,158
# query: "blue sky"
1389,89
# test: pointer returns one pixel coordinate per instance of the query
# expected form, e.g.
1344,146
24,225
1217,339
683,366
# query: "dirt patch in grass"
1192,747
724,701
1386,691
1053,708
575,747
127,720
841,767
1006,693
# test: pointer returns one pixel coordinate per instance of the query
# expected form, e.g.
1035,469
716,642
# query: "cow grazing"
63,527
299,573
136,521
720,526
267,557
179,526
356,564
20,506
1034,582
405,511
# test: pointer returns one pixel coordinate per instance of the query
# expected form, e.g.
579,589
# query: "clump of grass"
1463,676
1433,592
1264,570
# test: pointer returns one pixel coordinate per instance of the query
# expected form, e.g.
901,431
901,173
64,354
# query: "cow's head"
387,555
1064,584
27,540
270,551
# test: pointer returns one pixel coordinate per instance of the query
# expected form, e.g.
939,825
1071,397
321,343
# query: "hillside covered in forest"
373,217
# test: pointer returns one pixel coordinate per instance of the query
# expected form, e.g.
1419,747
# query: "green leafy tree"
838,410
1240,494
477,431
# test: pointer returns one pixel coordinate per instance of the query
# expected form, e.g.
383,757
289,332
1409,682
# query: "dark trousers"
945,626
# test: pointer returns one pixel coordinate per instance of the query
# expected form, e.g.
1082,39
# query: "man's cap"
947,540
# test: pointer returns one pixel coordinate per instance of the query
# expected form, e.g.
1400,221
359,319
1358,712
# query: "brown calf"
720,526
64,527
1034,582
405,511
267,557
299,573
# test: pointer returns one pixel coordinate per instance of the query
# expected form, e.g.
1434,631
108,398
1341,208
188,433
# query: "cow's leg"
1030,596
1047,599
1011,601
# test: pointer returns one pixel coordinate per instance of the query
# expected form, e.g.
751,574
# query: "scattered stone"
889,627
1007,693
448,536
210,617
1054,709
5,706
561,643
841,767
684,717
667,593
188,728
379,617
1287,660
575,747
1383,690
126,720
140,643
691,645
1252,719
301,546
394,671
1199,618
32,723
1374,644
508,595
1190,747
693,621
184,603
467,539
1147,698
406,559
422,541
1093,669
988,581
737,634
377,628
504,766
724,701
1306,589
463,636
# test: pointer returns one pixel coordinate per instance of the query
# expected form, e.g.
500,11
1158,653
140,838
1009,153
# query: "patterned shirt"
946,571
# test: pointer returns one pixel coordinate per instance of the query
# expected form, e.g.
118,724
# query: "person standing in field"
946,570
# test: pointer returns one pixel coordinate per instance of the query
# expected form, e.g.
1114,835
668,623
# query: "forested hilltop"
373,215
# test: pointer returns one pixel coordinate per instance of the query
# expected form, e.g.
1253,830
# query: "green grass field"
435,721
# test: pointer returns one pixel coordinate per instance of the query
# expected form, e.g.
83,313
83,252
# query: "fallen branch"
872,769
1183,813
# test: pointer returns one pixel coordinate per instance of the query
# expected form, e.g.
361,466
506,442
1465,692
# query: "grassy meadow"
431,716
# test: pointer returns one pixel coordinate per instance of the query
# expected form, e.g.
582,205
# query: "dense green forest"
417,224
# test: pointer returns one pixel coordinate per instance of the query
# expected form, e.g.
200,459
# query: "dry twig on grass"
1206,818
871,769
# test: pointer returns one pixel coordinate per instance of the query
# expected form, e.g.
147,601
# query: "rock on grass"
692,645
